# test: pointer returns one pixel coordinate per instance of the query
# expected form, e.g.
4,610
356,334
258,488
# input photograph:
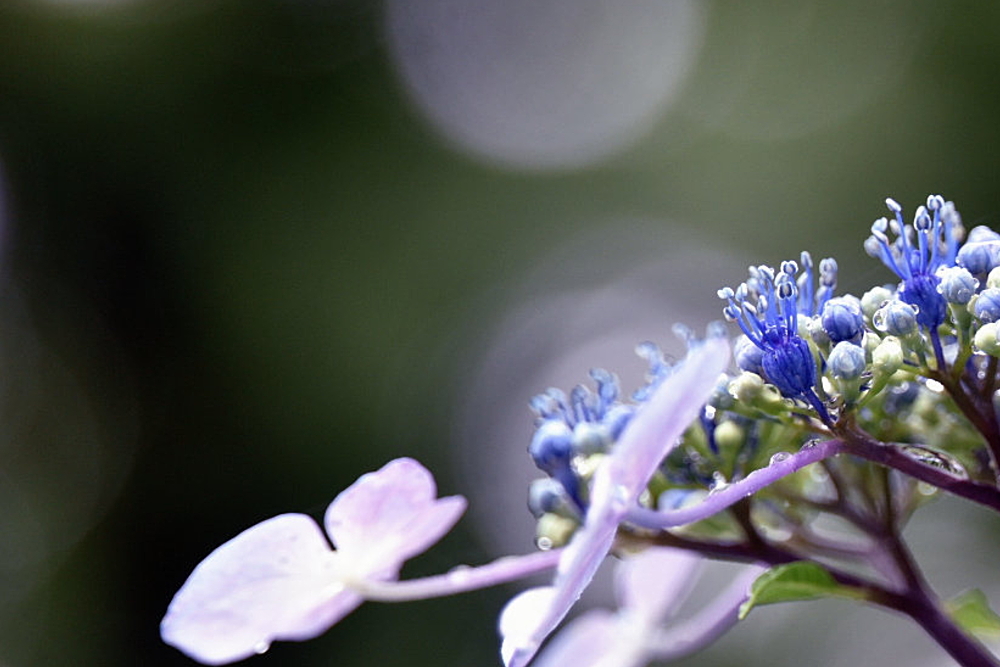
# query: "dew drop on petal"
261,647
459,574
620,497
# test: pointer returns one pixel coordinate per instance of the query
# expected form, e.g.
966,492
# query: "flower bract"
280,580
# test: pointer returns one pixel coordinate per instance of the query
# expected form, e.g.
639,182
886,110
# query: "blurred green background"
254,248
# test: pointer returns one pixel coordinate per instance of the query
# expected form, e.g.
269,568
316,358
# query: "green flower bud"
887,357
985,339
993,279
554,531
729,435
872,299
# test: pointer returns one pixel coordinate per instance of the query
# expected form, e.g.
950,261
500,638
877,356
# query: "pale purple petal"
710,623
389,515
655,582
276,580
591,640
660,422
579,561
619,481
520,617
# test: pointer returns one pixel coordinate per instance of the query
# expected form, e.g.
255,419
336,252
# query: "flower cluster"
698,463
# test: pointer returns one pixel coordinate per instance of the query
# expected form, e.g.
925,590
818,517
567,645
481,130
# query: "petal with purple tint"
276,580
521,615
390,515
592,640
655,582
618,482
281,580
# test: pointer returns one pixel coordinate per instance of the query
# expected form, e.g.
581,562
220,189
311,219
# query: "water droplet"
261,646
460,573
934,386
925,489
544,543
620,497
719,483
936,459
779,457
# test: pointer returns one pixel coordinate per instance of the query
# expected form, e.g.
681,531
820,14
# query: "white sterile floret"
280,580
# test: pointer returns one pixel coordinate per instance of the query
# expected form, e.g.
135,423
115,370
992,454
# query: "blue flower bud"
917,253
547,495
789,366
921,291
986,306
957,284
618,418
980,257
896,318
846,360
771,309
552,446
981,234
843,319
748,356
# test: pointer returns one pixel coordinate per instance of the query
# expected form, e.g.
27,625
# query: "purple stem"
720,499
460,579
856,442
861,444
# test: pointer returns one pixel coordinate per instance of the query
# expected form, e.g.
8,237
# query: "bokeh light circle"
543,85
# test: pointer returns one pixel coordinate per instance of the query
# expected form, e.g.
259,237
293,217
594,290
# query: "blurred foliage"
239,266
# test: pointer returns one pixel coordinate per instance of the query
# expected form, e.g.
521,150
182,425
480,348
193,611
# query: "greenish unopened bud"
869,342
590,438
817,332
554,531
750,390
887,357
986,339
873,299
747,387
993,279
729,435
802,325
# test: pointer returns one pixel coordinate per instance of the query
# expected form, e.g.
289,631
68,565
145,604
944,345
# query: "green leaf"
801,580
971,610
